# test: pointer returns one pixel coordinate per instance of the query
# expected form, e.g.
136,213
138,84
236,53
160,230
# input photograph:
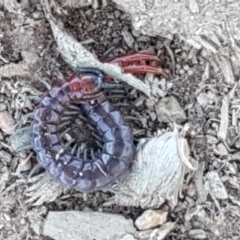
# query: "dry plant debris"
157,173
203,77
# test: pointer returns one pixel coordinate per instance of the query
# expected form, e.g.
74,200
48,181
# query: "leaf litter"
191,74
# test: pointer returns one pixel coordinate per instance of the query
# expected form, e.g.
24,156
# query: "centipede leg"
67,113
92,153
34,170
106,85
36,98
63,125
65,131
74,148
46,84
29,115
85,197
27,129
73,107
90,70
27,147
119,104
78,152
69,143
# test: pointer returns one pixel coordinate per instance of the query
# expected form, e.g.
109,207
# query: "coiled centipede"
108,166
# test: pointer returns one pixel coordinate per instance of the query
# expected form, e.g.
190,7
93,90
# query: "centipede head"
88,84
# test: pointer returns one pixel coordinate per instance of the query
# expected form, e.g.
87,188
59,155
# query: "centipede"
84,88
92,174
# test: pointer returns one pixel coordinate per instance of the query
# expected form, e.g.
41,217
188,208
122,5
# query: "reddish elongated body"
94,174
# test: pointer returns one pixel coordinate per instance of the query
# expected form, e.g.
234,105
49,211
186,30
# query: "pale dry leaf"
157,173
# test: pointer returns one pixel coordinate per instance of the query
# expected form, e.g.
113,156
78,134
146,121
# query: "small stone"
29,57
216,185
136,33
181,71
7,217
178,66
169,110
221,150
95,4
151,219
190,72
38,15
197,234
150,103
177,50
139,101
2,107
110,23
128,38
23,221
25,165
91,27
144,38
5,156
186,67
202,99
153,116
128,237
158,233
117,14
7,122
191,190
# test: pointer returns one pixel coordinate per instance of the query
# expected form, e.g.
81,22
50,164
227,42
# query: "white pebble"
151,219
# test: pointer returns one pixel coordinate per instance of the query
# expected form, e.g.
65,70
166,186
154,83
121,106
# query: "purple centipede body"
94,174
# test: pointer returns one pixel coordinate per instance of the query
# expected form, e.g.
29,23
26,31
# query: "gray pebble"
186,67
5,156
38,15
197,234
2,107
117,14
181,71
190,72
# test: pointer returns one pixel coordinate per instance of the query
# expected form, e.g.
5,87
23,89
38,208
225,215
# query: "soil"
29,58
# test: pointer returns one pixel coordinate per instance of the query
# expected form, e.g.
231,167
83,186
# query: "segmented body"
93,174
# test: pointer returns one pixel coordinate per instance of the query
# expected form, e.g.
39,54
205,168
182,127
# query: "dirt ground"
29,56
